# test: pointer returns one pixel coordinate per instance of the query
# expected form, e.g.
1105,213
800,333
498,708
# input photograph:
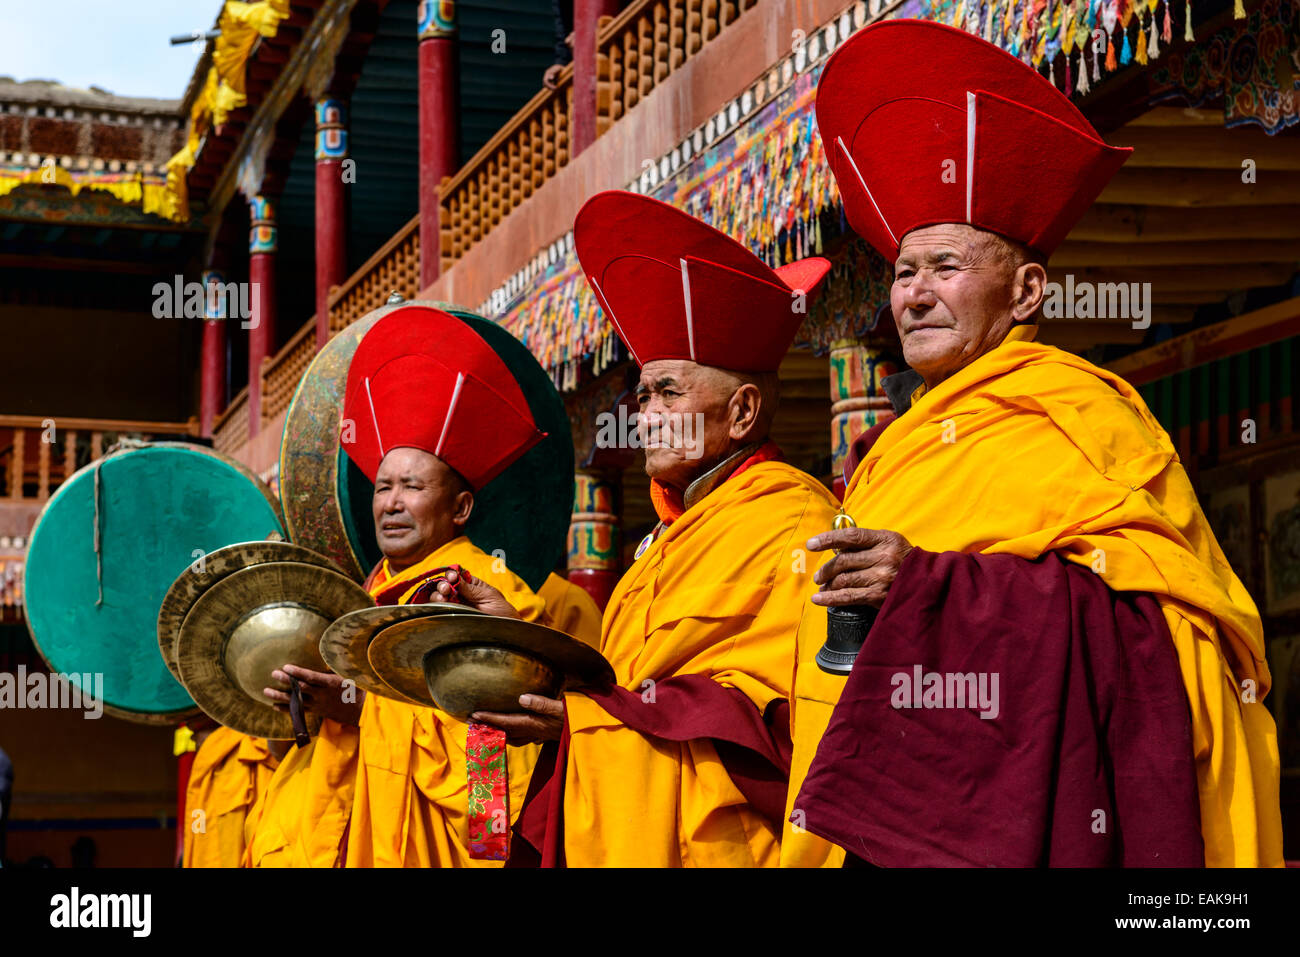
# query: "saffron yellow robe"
1029,450
230,770
570,609
302,816
411,802
722,593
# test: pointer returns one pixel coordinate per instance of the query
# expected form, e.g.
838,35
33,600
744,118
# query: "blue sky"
119,46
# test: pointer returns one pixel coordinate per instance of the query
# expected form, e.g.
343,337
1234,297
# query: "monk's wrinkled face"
420,504
957,291
689,418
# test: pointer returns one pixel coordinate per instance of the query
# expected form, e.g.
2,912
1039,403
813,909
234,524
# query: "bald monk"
430,434
1064,670
229,772
686,761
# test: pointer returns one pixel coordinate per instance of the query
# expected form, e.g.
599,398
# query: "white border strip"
686,297
970,150
866,189
451,410
374,419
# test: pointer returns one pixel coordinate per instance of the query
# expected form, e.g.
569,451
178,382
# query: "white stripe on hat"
374,419
451,410
970,150
686,296
848,156
610,312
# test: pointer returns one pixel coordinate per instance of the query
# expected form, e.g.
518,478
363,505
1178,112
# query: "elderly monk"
229,772
433,414
1064,670
685,761
438,416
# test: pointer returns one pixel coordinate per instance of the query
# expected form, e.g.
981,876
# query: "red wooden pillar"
439,123
586,17
212,369
262,241
331,207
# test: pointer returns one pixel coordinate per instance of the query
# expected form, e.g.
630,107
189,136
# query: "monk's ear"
746,404
463,506
1028,290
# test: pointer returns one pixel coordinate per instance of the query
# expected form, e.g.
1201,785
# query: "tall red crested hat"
676,288
924,124
422,379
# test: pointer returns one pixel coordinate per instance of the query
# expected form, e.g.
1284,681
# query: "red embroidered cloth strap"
487,784
489,793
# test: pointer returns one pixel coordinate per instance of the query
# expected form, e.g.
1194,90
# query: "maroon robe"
1088,761
754,748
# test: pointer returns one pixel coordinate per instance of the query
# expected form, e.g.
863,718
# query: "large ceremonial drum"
522,515
109,544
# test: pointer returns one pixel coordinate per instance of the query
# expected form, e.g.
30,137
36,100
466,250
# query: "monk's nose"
918,295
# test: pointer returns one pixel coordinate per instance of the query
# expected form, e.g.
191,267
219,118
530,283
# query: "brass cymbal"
464,663
346,643
213,567
251,622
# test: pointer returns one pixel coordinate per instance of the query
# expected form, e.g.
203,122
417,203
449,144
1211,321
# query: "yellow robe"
570,609
723,593
301,817
230,770
411,803
1029,450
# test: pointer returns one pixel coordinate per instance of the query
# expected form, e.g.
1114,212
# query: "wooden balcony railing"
635,51
230,430
531,148
394,267
638,49
282,371
38,454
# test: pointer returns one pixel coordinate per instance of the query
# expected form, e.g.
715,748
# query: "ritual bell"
846,625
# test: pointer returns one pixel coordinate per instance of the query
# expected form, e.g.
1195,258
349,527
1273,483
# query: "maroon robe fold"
754,748
1088,761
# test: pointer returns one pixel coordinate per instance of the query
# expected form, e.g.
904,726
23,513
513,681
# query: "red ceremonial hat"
676,288
422,379
925,124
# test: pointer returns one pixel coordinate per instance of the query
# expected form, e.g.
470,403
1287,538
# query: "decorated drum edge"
340,547
154,718
345,551
340,553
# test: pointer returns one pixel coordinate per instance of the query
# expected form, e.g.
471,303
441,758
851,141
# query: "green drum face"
160,508
523,514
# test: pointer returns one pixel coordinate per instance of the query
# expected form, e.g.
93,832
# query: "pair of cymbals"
456,659
241,612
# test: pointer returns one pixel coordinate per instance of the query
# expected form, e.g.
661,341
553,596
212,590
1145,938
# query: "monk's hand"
323,692
544,722
865,567
476,593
